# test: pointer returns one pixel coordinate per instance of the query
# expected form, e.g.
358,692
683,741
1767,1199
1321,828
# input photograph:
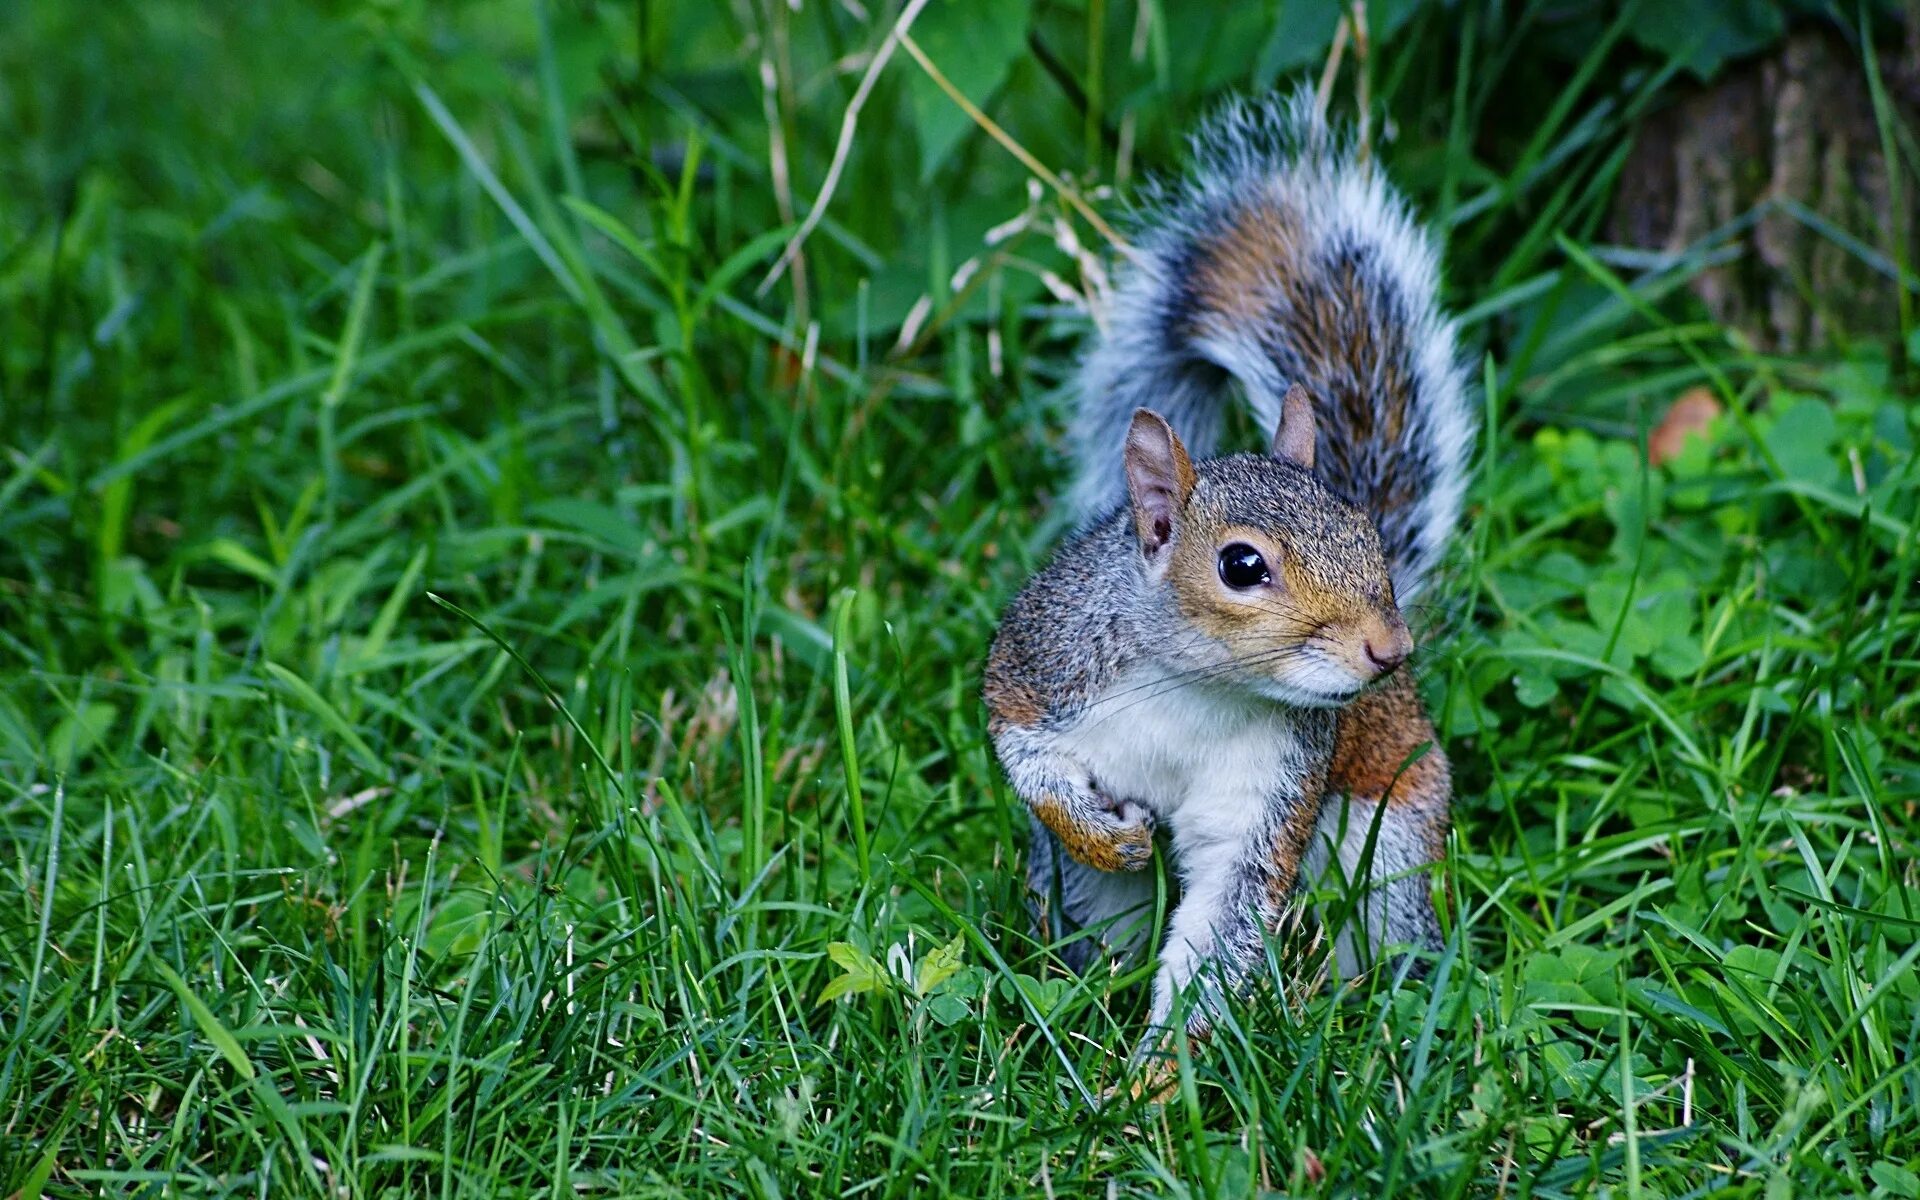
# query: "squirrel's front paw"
1103,833
1129,830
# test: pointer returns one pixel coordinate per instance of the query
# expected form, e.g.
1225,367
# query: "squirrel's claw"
1132,834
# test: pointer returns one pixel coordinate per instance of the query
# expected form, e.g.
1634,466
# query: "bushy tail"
1283,258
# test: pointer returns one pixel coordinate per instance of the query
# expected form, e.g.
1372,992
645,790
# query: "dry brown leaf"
1691,412
1311,1164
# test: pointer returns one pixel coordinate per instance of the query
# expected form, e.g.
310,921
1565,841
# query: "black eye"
1242,567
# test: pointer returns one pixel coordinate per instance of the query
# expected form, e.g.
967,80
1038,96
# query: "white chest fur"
1202,757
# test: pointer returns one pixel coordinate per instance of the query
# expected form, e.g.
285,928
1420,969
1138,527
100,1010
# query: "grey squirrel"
1216,651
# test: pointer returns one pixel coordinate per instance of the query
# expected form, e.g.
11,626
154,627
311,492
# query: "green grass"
488,697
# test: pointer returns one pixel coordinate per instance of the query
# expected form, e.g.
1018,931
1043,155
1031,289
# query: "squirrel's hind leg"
1388,771
1383,892
1066,897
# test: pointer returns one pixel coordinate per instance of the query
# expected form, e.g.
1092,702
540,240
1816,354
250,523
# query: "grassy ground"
488,695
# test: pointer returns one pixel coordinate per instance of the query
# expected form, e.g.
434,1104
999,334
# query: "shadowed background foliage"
488,668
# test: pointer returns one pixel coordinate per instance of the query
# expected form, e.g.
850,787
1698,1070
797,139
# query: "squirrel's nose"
1389,648
1386,658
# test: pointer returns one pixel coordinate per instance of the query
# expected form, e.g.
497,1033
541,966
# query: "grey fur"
1182,355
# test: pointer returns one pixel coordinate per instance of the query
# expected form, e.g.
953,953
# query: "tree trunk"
1781,159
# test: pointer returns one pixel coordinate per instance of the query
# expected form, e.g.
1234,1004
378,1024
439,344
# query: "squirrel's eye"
1242,567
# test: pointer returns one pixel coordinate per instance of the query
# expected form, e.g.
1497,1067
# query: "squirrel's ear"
1293,441
1159,477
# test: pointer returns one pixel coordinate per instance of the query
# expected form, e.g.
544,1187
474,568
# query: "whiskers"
1305,640
1172,682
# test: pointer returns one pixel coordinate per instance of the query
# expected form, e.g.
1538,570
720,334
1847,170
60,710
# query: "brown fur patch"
1098,848
1010,702
1339,307
1375,735
1319,606
1258,263
1296,833
1247,259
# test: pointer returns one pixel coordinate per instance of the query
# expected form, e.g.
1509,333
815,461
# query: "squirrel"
1217,651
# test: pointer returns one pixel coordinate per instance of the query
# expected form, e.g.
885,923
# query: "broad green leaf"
1534,687
1606,600
973,42
1044,994
947,1009
1896,1180
1704,34
1801,440
939,964
862,973
1302,32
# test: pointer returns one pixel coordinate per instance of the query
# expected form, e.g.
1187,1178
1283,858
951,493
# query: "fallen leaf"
1691,412
1311,1164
